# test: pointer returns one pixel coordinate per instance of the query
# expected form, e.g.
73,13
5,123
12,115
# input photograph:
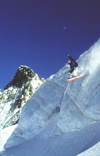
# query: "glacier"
61,118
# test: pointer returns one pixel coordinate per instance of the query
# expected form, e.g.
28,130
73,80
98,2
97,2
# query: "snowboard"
74,78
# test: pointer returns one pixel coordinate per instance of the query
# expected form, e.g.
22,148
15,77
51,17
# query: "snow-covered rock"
16,94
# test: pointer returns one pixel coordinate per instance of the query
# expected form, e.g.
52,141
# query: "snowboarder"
73,64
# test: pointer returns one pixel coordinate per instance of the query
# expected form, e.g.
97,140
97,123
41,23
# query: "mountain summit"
16,94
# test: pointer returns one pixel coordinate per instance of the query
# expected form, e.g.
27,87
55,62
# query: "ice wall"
74,105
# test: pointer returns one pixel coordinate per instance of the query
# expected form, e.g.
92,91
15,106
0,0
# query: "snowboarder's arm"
72,59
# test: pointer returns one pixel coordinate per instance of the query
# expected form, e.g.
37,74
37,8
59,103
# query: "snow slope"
61,118
47,144
93,151
5,134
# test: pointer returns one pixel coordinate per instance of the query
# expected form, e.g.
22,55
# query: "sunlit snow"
61,118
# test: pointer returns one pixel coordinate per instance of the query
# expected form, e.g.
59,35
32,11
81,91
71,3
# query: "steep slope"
48,143
93,151
16,94
73,105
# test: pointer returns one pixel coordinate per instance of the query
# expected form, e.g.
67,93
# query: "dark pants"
71,70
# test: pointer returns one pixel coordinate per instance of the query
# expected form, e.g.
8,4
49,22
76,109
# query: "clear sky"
39,34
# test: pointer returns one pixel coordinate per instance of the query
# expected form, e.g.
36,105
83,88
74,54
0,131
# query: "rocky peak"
16,94
23,75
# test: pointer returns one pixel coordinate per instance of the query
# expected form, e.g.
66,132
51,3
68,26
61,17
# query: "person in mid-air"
73,64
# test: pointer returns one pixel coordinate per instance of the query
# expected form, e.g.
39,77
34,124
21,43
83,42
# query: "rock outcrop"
16,94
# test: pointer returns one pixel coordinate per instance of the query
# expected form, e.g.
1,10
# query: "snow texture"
5,134
61,118
93,151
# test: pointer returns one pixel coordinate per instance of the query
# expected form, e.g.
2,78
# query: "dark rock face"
22,75
16,94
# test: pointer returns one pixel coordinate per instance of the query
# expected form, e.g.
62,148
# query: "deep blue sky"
39,34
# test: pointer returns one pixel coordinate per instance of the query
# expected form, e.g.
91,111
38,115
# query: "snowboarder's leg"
76,72
71,73
71,70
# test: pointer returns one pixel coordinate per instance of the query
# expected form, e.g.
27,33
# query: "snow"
61,118
5,134
93,151
48,143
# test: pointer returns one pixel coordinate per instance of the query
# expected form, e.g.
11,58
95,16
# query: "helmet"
69,62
